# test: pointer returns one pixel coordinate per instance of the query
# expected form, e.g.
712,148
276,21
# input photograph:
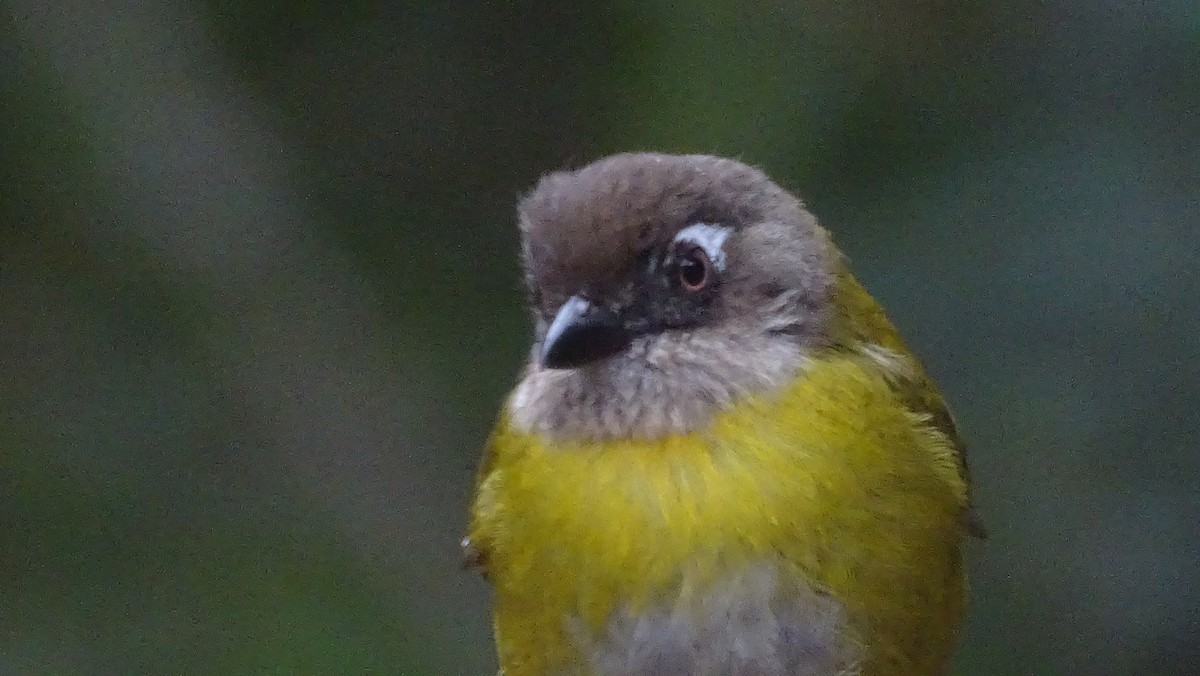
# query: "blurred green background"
260,299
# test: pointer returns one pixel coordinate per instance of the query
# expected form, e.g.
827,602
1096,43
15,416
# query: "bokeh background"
259,299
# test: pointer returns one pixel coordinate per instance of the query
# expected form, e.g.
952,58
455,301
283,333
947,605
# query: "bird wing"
921,396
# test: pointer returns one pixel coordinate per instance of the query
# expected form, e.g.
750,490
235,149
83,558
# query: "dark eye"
695,270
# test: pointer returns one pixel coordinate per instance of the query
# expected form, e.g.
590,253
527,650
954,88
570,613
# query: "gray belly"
751,625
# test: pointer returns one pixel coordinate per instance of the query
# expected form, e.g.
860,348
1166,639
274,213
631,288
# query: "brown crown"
586,227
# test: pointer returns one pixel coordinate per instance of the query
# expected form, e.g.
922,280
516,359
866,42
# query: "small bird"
721,458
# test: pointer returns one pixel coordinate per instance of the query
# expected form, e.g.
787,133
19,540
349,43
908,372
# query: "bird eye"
695,270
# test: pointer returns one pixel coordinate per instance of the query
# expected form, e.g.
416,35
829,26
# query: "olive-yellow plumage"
844,483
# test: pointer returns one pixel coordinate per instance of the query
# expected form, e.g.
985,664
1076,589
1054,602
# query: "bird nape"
721,457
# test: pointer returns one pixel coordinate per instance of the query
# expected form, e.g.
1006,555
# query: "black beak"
582,333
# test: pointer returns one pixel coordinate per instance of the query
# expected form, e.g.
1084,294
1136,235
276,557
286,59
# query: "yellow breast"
832,482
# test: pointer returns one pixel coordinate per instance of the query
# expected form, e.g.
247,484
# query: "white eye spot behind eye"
709,237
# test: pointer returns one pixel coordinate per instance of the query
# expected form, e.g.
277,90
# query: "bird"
721,458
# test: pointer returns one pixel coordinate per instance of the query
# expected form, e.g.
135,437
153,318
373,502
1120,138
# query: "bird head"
664,287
